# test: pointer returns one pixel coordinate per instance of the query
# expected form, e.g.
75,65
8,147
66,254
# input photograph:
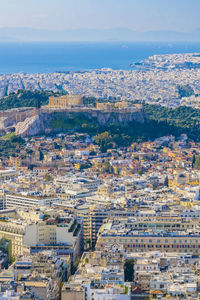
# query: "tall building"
94,216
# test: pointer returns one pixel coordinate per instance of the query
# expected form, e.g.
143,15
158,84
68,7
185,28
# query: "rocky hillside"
46,121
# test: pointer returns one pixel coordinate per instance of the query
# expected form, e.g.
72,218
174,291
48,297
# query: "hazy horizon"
28,34
143,15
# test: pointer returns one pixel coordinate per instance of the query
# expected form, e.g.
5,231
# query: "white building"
28,200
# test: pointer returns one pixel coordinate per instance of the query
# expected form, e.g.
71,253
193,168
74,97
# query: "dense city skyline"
99,149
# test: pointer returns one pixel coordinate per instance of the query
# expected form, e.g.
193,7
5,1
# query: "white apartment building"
78,183
64,238
28,201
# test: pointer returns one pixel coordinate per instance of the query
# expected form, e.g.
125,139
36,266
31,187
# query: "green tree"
197,163
129,270
104,140
29,151
48,177
85,165
193,161
10,145
92,153
166,181
26,98
185,90
37,103
41,155
57,146
107,168
140,172
155,186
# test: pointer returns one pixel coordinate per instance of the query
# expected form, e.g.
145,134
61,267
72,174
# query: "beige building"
72,293
23,236
66,238
15,162
175,239
65,101
105,106
123,105
13,231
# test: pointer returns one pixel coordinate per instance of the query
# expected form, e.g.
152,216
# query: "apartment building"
13,231
93,217
64,237
33,235
6,174
28,200
77,183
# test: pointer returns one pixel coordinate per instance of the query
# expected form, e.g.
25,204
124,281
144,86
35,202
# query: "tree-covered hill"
183,119
160,120
118,134
10,144
25,98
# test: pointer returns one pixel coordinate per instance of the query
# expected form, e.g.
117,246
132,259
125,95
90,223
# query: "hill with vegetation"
182,119
159,121
185,91
10,144
26,98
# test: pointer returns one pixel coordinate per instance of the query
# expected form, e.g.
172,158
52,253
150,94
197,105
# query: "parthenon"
65,101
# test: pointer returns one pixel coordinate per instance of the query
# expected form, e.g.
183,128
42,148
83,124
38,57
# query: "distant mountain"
95,35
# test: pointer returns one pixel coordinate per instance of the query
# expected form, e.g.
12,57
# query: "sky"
138,15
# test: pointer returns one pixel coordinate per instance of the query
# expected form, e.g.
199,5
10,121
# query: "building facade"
149,238
28,201
65,101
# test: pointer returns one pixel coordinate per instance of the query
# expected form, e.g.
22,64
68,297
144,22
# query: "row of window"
153,241
160,246
163,246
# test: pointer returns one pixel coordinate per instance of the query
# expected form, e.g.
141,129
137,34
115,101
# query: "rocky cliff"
41,121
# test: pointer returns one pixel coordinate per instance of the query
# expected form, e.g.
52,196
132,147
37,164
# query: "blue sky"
139,15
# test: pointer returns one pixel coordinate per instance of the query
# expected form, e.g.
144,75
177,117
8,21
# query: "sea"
65,57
